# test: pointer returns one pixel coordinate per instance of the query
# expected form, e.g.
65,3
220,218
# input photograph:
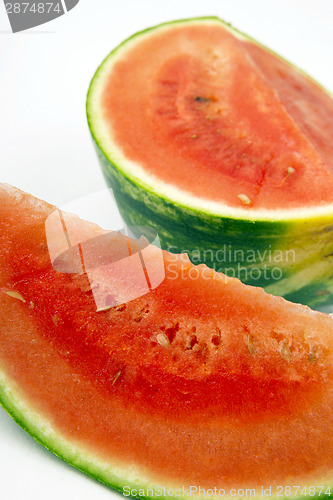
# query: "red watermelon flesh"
202,380
229,113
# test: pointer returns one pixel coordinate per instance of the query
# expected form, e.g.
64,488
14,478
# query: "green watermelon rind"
141,203
43,432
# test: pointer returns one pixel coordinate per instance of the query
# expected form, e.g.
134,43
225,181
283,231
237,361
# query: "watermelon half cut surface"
202,381
225,148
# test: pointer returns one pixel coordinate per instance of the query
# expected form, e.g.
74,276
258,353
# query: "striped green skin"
288,257
111,474
298,263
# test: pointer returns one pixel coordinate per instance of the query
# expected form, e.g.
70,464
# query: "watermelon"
201,381
225,148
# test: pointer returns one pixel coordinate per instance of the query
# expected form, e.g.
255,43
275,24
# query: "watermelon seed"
55,319
204,99
163,339
250,345
244,199
117,375
16,295
290,171
140,315
193,341
31,305
286,352
313,358
194,136
171,332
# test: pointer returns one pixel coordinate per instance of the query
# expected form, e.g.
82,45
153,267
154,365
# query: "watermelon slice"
225,148
201,381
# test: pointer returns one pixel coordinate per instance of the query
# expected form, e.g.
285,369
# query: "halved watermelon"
226,148
203,381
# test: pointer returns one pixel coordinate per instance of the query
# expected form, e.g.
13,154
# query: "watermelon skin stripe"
42,431
307,278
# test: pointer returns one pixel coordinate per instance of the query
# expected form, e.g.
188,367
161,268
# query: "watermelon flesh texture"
225,148
203,380
196,102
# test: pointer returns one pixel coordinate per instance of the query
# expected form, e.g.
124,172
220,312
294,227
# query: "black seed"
203,99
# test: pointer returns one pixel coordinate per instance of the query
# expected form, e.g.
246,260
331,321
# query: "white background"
45,147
